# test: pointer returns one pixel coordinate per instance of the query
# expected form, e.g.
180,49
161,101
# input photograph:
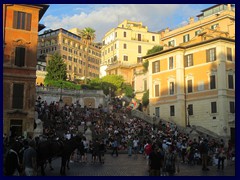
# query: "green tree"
155,49
128,90
88,34
145,99
56,68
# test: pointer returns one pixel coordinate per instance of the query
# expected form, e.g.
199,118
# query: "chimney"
167,30
229,7
191,20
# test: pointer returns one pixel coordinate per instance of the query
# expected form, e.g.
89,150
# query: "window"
124,34
214,26
189,84
156,67
230,82
171,88
156,90
171,43
197,32
232,107
172,111
211,55
70,67
22,20
212,82
153,38
188,60
124,46
115,34
139,49
229,54
213,107
139,37
139,59
170,63
17,99
186,38
190,109
20,56
125,58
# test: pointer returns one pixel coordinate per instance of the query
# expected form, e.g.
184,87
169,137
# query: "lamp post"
188,121
60,100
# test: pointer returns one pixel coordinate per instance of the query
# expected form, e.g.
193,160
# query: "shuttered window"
156,67
170,63
157,90
189,84
20,56
172,111
211,55
232,106
139,49
213,107
230,82
188,60
212,82
17,100
171,88
229,54
22,20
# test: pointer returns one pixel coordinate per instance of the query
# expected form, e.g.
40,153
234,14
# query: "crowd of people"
164,146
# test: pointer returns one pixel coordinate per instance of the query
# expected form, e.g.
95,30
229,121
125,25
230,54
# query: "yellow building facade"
124,47
192,81
82,62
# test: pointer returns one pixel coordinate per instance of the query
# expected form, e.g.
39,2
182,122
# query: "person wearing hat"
30,160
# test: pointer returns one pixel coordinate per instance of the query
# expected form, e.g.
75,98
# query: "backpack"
170,163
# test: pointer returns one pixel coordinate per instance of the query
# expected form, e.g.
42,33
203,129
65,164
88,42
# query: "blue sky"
103,17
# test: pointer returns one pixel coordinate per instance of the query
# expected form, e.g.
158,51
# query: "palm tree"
88,34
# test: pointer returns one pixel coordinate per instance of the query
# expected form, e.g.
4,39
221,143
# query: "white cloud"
102,18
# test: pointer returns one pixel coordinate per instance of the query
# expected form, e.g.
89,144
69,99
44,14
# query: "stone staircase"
193,131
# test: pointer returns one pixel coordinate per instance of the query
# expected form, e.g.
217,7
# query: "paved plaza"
123,165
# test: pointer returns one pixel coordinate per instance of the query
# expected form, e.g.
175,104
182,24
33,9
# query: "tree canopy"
88,34
154,50
56,68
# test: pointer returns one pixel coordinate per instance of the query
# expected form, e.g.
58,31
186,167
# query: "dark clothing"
11,163
101,152
155,161
115,148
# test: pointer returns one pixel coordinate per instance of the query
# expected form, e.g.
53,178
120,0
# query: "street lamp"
60,100
188,121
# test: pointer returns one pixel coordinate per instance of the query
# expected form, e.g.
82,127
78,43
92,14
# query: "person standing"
30,160
171,164
130,146
135,146
12,165
204,154
155,161
115,147
221,156
102,150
